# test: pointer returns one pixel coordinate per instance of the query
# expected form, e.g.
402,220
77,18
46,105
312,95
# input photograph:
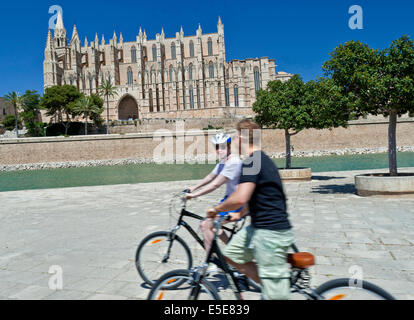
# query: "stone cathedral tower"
181,77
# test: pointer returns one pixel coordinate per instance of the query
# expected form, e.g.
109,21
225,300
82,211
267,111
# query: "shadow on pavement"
335,189
325,178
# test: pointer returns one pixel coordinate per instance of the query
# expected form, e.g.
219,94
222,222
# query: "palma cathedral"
179,77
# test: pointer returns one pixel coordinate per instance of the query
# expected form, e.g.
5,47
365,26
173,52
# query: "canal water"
131,174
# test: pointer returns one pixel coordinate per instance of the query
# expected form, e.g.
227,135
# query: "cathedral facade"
159,78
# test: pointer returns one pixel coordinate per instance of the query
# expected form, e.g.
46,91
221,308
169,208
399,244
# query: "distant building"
159,78
6,108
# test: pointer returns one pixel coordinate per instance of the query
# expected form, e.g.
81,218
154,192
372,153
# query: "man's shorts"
269,249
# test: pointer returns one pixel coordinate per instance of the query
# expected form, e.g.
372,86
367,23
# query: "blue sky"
298,34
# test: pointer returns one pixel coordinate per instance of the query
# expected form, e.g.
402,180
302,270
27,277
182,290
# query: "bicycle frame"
220,261
222,264
182,223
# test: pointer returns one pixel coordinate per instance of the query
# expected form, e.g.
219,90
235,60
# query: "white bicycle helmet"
221,138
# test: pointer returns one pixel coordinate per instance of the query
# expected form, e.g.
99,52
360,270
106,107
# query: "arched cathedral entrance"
127,108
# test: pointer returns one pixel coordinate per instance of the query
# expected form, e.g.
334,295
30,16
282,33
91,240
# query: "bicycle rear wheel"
346,289
163,289
153,257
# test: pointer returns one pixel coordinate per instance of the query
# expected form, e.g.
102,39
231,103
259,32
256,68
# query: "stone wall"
205,114
142,145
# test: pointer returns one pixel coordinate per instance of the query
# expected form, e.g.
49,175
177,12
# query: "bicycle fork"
170,240
197,275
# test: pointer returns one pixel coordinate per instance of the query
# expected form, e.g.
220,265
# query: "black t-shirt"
268,202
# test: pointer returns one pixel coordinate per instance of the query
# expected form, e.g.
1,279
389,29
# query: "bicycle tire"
185,276
346,283
139,263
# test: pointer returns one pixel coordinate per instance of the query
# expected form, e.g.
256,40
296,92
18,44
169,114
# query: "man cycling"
269,237
226,172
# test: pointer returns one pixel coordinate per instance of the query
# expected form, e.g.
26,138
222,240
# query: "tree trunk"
17,121
107,114
86,124
392,144
67,124
288,148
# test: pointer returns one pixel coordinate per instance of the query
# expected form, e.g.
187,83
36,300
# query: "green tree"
96,117
16,100
59,101
293,106
9,122
381,82
107,90
86,106
31,113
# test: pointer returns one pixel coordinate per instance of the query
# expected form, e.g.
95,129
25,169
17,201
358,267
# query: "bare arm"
215,184
236,216
205,181
239,198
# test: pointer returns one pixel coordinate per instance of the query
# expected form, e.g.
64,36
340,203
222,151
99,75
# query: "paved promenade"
92,234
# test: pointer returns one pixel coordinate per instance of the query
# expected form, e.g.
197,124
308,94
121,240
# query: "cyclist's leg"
270,252
239,255
208,230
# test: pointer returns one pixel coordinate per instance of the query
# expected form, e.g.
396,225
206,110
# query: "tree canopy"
58,101
379,82
294,106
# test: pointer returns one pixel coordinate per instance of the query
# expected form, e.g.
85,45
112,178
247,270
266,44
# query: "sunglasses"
218,147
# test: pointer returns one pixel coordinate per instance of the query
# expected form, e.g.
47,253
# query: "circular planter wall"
384,184
296,174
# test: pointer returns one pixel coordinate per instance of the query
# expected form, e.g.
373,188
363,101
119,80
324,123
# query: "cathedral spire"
103,41
115,39
162,34
60,32
75,35
59,22
121,38
86,44
181,32
220,26
199,31
96,41
49,40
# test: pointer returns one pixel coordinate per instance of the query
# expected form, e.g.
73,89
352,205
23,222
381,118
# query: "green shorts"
268,249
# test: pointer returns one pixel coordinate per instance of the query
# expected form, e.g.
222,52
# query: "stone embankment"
346,151
191,159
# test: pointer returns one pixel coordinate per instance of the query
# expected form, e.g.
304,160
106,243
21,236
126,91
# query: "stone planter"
296,174
383,184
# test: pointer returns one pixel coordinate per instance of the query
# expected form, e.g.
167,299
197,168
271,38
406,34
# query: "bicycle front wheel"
350,289
157,255
163,289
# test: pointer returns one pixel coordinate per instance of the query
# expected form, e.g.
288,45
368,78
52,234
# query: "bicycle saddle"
301,260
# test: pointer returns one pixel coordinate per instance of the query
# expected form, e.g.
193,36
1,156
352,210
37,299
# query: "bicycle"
198,287
165,250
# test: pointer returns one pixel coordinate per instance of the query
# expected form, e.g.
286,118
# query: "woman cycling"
226,172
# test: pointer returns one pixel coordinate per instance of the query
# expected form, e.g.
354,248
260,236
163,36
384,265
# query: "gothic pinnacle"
59,22
49,40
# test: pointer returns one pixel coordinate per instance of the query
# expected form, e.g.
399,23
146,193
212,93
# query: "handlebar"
221,220
183,199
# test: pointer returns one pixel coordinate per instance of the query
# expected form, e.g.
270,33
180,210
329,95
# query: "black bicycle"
193,284
164,251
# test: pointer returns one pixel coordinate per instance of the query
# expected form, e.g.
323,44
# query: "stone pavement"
92,234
